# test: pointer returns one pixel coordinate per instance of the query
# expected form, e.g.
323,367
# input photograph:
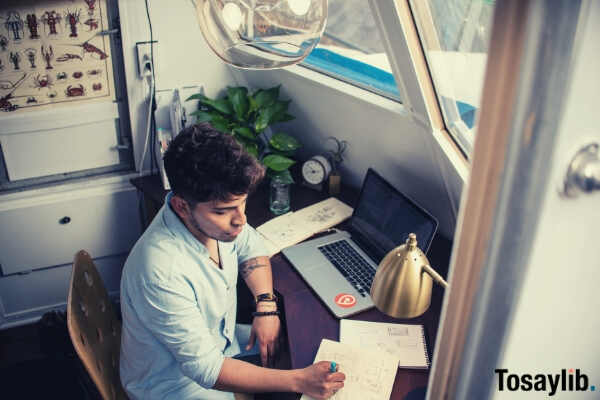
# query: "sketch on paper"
405,342
294,227
369,375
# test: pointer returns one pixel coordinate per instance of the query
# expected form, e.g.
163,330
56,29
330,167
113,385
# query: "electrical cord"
148,122
151,47
153,162
151,77
154,158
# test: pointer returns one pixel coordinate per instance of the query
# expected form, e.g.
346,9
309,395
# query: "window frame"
409,67
415,83
461,133
349,80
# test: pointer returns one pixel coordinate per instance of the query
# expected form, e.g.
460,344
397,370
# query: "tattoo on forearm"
246,268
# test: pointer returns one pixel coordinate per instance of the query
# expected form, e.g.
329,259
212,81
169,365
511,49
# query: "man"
178,290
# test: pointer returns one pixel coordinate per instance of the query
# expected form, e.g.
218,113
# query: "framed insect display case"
63,109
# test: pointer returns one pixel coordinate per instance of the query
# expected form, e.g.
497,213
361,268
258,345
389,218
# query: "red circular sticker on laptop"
345,300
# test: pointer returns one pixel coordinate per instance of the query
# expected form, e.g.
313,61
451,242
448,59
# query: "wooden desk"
307,320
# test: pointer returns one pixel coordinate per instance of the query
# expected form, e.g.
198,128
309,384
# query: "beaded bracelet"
264,313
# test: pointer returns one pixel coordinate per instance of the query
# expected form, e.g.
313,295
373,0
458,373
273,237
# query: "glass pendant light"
261,34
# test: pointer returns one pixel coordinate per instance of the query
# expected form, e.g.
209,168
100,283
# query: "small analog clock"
315,171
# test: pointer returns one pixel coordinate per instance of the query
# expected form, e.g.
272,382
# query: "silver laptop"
340,267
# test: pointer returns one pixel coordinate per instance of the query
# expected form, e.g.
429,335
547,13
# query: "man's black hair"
203,164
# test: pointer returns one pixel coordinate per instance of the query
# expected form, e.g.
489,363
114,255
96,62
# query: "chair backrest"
94,328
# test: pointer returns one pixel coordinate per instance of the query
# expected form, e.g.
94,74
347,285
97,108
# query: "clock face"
313,172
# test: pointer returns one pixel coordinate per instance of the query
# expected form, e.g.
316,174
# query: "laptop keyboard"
350,264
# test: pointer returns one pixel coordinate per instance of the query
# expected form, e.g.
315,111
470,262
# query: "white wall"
182,57
380,133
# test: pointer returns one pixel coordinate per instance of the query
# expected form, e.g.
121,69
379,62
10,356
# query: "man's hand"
266,330
318,382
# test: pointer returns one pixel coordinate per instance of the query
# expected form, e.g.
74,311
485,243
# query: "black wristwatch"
265,297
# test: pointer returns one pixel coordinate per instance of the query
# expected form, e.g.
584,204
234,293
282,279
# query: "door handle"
583,174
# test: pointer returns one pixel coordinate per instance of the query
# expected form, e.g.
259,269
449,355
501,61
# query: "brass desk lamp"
402,285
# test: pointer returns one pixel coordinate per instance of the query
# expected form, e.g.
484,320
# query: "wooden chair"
94,328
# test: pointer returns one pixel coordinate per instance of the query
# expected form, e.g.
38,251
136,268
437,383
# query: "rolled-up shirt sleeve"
250,245
169,309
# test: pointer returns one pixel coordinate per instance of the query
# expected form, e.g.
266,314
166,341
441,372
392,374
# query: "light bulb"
299,7
232,16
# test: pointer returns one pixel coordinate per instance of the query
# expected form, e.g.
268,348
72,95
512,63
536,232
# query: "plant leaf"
220,123
201,116
283,117
245,132
284,142
282,105
252,148
196,96
277,162
222,105
253,105
238,96
265,98
265,116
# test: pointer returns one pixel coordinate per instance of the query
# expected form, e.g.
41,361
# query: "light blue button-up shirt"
179,310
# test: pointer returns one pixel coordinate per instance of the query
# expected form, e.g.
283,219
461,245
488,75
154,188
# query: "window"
455,35
351,49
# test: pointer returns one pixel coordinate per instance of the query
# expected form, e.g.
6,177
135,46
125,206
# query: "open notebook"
405,342
369,375
295,226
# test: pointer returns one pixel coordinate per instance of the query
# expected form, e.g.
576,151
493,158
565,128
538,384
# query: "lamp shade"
403,282
261,34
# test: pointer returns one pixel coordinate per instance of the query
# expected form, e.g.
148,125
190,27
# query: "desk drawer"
50,233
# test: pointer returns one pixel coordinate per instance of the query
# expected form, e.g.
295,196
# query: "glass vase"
279,199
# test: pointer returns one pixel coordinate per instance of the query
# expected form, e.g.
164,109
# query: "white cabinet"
42,230
26,297
51,232
58,141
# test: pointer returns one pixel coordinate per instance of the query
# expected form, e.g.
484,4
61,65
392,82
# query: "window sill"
345,88
442,138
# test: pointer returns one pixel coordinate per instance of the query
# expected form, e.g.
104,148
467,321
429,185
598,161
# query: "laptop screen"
383,218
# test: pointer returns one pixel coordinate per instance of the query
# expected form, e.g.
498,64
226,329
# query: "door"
524,321
556,322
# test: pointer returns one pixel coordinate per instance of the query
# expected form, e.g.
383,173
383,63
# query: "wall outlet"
144,53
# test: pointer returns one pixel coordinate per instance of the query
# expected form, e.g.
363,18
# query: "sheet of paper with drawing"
369,375
405,342
294,227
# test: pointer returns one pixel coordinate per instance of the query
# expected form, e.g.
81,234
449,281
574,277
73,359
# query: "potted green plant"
246,116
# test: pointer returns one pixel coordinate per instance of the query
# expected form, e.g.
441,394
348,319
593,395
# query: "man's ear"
180,206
